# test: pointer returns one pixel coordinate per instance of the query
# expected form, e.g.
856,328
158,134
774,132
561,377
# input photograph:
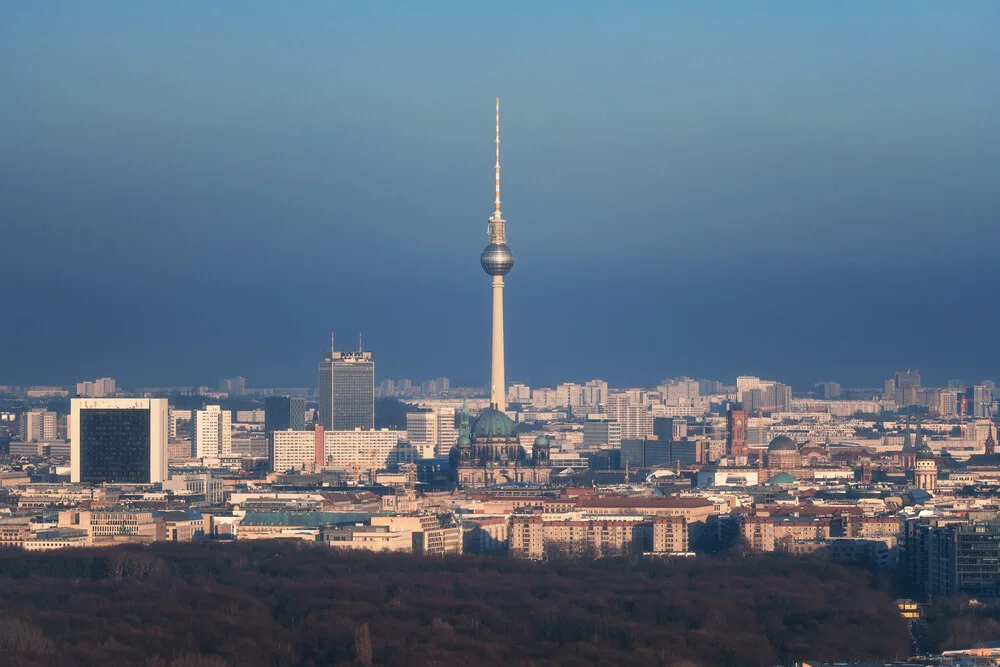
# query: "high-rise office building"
38,426
284,412
346,390
119,440
212,432
602,432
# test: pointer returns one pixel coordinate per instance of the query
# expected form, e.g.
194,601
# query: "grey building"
284,412
347,391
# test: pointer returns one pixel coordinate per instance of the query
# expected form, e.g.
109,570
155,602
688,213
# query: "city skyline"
811,201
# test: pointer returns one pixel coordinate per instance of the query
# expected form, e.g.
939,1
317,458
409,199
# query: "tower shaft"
498,383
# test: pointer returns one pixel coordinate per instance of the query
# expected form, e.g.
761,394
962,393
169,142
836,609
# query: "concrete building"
212,432
433,535
602,433
432,433
118,440
670,535
346,390
100,388
318,449
38,426
115,525
633,416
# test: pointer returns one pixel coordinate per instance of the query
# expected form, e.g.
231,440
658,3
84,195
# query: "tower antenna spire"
496,167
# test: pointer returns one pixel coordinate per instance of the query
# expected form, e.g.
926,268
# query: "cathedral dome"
463,441
782,443
924,453
542,441
492,423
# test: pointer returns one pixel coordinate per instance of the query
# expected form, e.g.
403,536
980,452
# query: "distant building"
100,388
212,432
38,426
318,449
284,412
236,386
432,433
120,440
669,429
645,453
602,432
347,391
828,390
634,417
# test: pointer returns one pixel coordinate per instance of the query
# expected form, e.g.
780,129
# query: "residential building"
212,432
38,426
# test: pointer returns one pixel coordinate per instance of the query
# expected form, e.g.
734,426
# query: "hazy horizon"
191,192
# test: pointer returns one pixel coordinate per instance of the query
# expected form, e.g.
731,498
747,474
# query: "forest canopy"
269,603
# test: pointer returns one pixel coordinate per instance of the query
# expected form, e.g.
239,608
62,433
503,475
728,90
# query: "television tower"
497,260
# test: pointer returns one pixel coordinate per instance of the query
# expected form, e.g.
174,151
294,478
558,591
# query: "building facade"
121,440
347,391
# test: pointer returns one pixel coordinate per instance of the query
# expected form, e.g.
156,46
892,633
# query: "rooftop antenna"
332,348
359,341
496,167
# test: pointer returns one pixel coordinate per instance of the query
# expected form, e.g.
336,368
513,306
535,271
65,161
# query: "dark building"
977,558
687,452
347,391
119,440
645,453
668,429
284,412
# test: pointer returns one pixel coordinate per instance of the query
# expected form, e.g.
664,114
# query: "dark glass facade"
284,412
977,558
353,395
114,446
347,391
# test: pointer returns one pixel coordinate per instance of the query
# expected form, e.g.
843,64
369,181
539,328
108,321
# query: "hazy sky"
803,191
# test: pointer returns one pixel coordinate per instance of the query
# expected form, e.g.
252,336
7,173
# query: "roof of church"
492,423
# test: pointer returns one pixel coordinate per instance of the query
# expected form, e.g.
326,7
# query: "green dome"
924,453
781,478
463,441
491,423
542,441
782,444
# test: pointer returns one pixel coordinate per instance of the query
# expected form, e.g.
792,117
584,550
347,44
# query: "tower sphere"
497,259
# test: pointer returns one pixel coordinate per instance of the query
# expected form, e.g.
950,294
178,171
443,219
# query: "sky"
802,191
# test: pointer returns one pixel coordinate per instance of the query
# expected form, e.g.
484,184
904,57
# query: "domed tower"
925,469
497,260
783,455
540,451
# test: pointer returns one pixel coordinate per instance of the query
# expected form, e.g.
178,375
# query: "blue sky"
803,191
